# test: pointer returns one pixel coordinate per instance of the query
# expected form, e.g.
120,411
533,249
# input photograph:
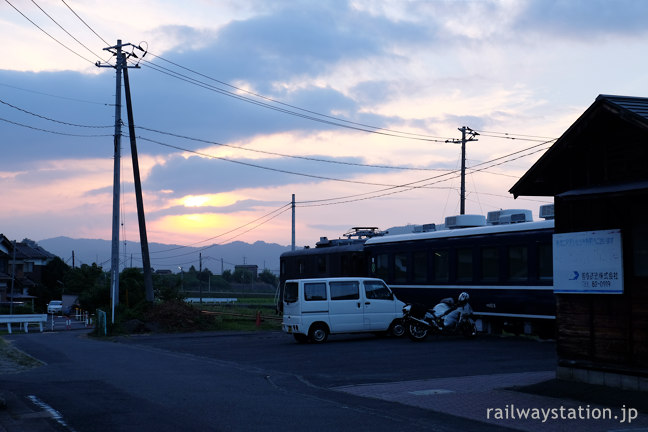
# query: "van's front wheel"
318,333
397,329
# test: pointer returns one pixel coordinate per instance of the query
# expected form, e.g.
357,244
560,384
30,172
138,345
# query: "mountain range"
176,258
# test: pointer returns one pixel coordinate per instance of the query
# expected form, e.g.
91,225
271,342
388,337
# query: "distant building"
248,268
163,272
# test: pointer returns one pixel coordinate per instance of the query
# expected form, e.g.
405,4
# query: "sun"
195,200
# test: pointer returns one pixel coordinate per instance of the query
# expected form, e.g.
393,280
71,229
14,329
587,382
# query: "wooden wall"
606,331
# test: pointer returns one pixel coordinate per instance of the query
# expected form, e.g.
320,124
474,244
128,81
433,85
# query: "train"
503,260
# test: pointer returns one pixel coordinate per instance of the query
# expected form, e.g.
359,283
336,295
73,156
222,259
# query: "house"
252,269
5,270
21,267
597,173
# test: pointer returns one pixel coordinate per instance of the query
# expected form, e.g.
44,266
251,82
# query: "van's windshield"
291,290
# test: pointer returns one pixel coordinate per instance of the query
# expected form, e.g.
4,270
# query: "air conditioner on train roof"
547,211
509,216
464,221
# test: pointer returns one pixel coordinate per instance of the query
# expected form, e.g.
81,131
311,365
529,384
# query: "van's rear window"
290,292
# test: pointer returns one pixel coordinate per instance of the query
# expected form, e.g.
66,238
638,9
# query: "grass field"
243,316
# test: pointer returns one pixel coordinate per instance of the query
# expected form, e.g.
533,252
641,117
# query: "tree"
51,286
79,279
131,287
268,277
52,278
227,275
167,287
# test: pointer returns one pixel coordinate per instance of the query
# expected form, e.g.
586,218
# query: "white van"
315,308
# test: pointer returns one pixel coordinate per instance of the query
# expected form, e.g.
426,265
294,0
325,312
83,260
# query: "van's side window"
345,290
315,291
377,290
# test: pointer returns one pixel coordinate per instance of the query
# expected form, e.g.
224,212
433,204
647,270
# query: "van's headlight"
407,309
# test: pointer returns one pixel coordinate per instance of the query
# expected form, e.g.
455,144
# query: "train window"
345,290
441,266
315,291
545,262
300,265
321,264
518,263
419,267
489,264
381,266
464,265
344,265
400,267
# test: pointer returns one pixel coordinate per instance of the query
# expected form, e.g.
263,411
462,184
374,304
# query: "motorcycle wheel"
416,332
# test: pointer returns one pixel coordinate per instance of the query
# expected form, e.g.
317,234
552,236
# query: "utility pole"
200,275
13,277
471,137
120,64
146,261
293,223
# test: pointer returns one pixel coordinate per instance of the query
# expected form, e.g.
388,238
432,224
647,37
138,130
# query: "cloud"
585,20
50,95
239,206
199,175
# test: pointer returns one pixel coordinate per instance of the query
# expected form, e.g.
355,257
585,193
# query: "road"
252,381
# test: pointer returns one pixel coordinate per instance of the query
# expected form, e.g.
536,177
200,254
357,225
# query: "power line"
225,233
207,86
86,24
220,144
52,37
51,119
225,145
287,155
51,131
336,120
512,136
408,186
282,210
261,166
269,99
62,28
56,96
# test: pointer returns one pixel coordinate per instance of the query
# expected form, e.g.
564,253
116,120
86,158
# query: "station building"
597,172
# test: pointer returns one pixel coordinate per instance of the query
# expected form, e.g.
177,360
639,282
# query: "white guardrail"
24,320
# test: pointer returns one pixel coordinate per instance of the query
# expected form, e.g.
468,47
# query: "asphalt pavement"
525,401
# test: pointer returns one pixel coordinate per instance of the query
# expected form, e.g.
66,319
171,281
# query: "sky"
352,106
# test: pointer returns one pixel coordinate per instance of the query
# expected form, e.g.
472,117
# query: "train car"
504,262
329,258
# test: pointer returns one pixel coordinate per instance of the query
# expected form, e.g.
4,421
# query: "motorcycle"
444,318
